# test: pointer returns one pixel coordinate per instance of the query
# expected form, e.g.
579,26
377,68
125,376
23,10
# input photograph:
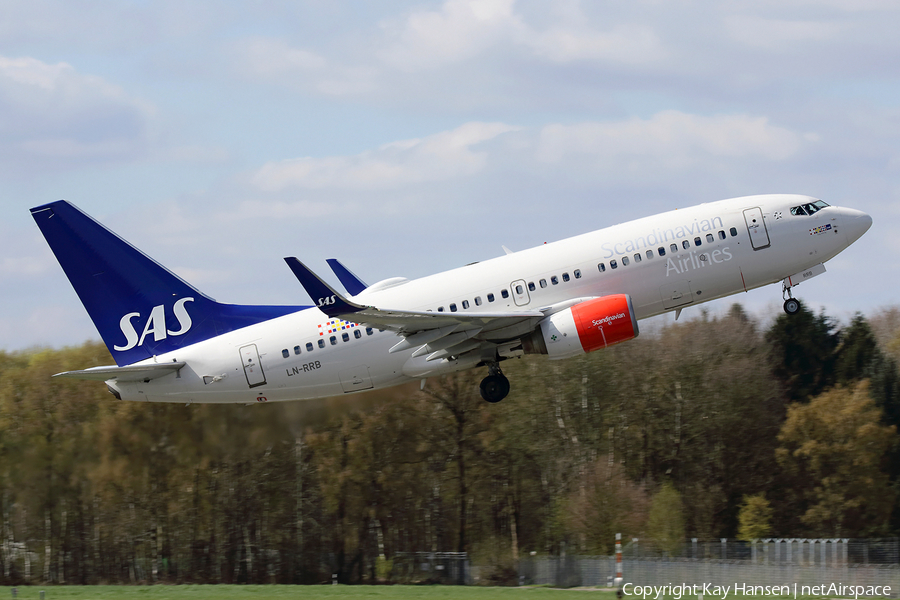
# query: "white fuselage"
272,361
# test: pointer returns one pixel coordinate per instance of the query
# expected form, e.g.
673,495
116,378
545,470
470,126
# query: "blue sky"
407,138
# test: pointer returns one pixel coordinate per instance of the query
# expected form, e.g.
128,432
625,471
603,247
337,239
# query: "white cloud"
464,29
51,111
624,44
460,30
472,45
778,34
274,60
671,137
438,157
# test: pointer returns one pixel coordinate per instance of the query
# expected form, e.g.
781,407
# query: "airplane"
172,343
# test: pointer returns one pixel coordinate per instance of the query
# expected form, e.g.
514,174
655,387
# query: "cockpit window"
809,208
814,207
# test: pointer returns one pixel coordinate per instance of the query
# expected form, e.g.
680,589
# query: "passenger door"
756,226
253,370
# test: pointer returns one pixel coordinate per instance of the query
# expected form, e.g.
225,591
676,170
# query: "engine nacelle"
585,327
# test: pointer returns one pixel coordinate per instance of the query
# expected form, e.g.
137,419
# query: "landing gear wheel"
792,306
494,388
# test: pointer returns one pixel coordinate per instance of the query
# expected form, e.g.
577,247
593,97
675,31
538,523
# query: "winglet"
323,295
349,280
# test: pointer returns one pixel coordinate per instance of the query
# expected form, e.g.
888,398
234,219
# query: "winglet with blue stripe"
323,295
349,280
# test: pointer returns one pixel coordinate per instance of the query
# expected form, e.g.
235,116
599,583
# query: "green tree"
858,355
755,518
803,353
665,522
834,449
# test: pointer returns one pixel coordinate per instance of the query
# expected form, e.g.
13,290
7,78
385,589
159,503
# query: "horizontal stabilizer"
348,279
127,373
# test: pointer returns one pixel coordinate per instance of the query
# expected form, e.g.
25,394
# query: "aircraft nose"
856,223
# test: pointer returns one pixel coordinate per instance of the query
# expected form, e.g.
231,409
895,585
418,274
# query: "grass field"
311,592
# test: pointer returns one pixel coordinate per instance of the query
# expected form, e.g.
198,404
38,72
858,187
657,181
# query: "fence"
804,562
432,567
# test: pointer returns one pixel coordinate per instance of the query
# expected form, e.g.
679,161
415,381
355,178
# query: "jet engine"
584,327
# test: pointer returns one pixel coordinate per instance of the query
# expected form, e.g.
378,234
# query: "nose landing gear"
791,304
494,387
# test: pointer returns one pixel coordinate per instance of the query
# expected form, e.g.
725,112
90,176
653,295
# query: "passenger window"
721,235
601,267
733,232
465,304
505,293
686,244
710,238
613,264
440,309
661,251
296,349
543,283
369,331
649,253
333,340
490,297
530,286
697,241
345,336
554,280
285,353
309,347
452,307
477,300
637,257
357,333
673,247
321,343
519,290
577,273
565,276
624,261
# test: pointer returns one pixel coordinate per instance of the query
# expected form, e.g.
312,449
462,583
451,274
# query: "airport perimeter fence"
805,562
451,568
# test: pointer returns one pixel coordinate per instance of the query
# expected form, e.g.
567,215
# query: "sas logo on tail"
156,325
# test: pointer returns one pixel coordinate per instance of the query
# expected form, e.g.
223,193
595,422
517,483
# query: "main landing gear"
494,387
791,304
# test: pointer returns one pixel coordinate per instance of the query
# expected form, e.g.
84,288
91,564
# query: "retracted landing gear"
791,304
494,387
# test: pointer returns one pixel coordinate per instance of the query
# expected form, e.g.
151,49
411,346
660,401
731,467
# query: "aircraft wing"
126,373
417,327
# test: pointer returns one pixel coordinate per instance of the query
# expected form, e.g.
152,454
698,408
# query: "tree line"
708,428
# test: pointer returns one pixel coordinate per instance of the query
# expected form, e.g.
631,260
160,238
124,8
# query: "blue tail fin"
140,308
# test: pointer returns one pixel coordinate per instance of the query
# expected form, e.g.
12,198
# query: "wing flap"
126,373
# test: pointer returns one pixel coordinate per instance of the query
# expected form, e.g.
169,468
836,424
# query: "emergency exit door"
520,292
253,370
